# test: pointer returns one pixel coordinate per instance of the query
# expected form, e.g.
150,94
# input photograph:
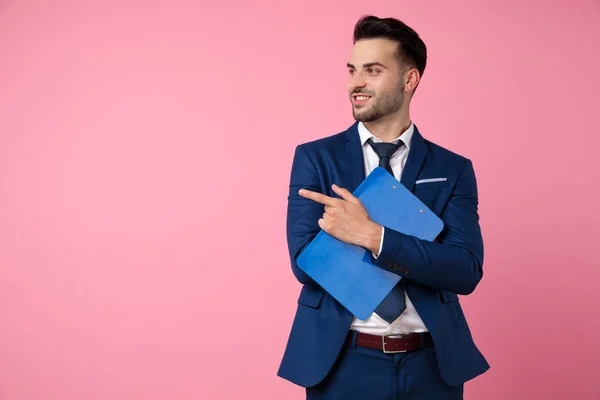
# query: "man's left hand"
347,219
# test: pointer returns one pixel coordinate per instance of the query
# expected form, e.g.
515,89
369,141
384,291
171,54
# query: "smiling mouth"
360,99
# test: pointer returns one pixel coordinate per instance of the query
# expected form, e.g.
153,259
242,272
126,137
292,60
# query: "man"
417,344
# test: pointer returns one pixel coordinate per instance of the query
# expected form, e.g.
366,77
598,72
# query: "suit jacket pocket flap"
311,296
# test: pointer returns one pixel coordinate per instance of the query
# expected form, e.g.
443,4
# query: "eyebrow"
368,65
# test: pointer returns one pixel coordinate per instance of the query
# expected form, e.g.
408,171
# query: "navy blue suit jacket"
434,272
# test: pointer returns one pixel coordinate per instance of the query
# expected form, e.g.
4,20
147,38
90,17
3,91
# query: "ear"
411,79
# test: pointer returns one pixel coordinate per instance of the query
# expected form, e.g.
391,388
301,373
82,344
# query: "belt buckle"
391,351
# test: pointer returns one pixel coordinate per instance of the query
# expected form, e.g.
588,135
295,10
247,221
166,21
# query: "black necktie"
385,151
393,304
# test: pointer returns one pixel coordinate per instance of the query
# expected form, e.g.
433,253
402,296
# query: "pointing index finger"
318,197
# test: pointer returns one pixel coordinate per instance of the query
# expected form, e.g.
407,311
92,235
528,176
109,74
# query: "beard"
381,106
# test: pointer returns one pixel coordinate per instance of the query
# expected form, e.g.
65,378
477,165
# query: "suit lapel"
416,157
353,162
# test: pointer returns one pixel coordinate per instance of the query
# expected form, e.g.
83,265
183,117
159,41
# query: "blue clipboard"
345,271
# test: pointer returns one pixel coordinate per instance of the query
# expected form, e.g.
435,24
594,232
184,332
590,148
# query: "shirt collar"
406,136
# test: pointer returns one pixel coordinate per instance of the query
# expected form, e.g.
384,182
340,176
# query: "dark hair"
411,49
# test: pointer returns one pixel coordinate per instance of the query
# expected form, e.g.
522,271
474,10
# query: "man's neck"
390,127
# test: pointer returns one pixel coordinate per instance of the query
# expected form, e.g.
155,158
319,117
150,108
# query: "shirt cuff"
380,244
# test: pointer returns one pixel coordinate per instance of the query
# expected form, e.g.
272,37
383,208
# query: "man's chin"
363,116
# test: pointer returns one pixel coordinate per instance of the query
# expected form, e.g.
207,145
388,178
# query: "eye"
372,71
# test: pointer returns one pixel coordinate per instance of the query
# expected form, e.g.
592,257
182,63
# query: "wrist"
372,239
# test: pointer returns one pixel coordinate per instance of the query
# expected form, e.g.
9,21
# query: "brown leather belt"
392,344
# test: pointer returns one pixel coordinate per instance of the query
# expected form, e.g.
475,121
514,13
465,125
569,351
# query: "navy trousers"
368,374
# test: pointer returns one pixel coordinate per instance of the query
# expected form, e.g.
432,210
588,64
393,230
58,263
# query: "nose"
357,80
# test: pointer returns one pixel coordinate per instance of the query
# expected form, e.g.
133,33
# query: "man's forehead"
373,50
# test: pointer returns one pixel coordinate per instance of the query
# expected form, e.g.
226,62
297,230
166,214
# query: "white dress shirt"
409,321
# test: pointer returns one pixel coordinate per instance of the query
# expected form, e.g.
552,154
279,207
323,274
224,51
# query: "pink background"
139,260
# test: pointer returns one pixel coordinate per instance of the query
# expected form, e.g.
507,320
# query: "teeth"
360,98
